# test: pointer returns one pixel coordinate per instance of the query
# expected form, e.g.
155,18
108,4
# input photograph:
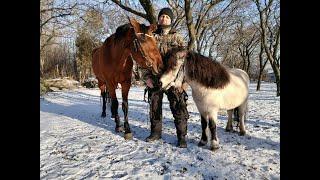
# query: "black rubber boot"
155,115
181,127
178,106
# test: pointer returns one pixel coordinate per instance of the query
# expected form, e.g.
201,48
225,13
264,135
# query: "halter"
138,47
180,73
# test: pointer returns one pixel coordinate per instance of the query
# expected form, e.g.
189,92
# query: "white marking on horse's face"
170,76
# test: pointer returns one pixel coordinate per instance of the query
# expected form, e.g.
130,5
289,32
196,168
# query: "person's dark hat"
166,11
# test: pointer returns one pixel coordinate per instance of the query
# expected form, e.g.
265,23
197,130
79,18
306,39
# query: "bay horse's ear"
153,27
134,24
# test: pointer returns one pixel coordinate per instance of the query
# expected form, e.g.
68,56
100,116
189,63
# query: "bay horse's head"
144,48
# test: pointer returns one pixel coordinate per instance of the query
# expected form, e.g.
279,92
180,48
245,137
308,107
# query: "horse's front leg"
213,129
114,108
125,91
204,138
242,113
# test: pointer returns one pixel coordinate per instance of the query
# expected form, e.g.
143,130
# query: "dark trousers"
178,107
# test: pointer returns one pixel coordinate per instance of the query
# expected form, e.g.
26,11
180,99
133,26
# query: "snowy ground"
76,143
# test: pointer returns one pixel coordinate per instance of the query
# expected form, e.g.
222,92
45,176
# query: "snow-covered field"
76,143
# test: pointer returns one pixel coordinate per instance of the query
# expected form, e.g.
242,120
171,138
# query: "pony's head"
174,73
144,48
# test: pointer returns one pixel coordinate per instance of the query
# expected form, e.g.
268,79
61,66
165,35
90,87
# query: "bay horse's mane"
123,29
204,70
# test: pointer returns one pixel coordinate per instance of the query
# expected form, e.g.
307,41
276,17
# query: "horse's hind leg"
102,88
229,127
103,95
242,114
125,90
204,138
108,98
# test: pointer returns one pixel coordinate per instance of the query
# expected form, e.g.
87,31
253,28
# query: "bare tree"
51,14
149,14
270,35
247,41
262,65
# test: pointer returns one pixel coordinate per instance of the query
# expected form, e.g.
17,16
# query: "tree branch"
129,9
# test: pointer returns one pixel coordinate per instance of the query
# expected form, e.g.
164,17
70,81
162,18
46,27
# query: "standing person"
167,38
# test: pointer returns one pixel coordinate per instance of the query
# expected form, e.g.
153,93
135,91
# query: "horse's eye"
142,38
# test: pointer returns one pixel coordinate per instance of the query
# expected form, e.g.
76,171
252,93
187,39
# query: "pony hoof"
242,133
103,114
229,130
215,147
119,129
202,143
128,136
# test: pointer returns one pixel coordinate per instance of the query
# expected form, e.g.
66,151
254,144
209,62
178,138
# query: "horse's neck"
123,54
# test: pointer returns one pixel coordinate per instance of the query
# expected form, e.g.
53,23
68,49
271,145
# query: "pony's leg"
213,129
125,91
229,123
242,113
204,138
114,108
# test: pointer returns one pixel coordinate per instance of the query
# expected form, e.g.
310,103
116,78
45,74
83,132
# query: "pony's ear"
134,24
153,27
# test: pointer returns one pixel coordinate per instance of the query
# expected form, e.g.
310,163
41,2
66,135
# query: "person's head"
165,17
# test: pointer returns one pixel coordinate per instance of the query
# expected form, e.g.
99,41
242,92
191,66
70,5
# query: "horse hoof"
103,114
119,129
242,133
229,130
128,136
182,146
215,147
202,143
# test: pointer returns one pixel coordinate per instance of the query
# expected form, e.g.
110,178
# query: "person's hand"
149,83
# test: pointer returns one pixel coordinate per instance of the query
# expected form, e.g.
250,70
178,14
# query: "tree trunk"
263,25
75,69
259,80
190,25
276,71
147,6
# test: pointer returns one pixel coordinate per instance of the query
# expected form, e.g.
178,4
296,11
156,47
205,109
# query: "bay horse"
112,63
214,87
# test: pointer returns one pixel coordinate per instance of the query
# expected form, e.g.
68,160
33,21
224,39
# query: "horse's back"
240,74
